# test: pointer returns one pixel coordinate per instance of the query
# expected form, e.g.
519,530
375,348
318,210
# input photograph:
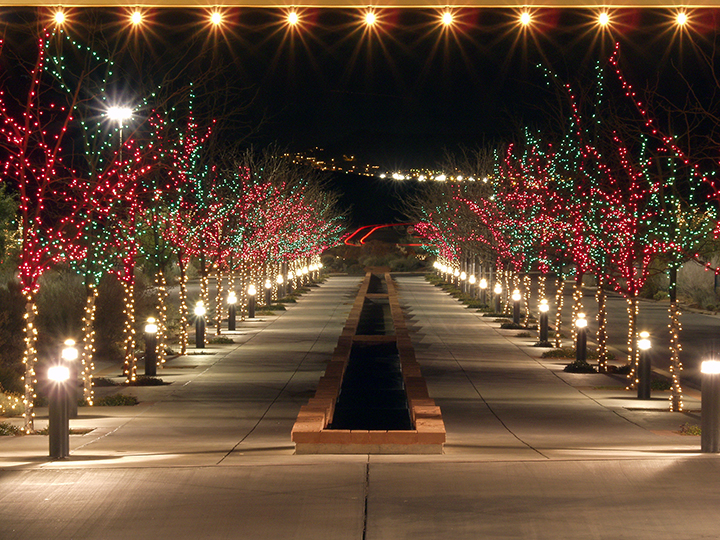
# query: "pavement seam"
477,390
287,383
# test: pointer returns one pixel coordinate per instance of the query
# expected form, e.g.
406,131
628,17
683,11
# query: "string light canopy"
420,4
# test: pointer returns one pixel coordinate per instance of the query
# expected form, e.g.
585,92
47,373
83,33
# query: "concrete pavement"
532,452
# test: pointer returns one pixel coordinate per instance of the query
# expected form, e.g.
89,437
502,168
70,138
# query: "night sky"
407,88
401,93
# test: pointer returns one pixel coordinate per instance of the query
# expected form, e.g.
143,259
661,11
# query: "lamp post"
69,357
200,325
120,114
463,282
231,300
710,415
644,367
251,301
544,308
516,297
498,291
281,286
59,423
151,347
483,290
456,281
290,278
581,344
268,292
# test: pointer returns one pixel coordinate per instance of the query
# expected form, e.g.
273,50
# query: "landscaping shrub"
116,400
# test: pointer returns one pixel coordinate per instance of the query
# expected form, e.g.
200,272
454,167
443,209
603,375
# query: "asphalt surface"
531,453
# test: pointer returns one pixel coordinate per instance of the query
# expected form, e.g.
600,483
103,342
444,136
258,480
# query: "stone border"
310,433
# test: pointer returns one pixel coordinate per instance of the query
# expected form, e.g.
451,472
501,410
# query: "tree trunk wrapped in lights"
602,336
88,345
559,300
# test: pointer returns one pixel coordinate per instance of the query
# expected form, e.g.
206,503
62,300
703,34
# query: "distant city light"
441,178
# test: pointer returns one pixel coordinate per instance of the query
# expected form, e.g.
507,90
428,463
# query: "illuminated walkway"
532,452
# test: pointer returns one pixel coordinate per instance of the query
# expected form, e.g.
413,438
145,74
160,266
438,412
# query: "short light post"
544,308
59,423
644,366
456,281
252,291
463,282
581,343
281,286
472,285
151,347
290,278
483,290
268,292
200,325
516,297
69,357
710,408
305,279
231,301
498,291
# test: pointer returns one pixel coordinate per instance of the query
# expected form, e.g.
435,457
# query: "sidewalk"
532,452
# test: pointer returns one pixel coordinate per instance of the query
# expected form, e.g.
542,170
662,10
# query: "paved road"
532,452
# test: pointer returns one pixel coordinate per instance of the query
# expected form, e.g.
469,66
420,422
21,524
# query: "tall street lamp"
120,114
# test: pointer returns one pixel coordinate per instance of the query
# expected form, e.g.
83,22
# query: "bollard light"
498,293
710,407
200,325
644,366
516,305
151,330
472,280
268,292
70,352
69,355
252,291
463,276
544,308
58,373
581,342
59,423
231,300
151,326
281,286
581,321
